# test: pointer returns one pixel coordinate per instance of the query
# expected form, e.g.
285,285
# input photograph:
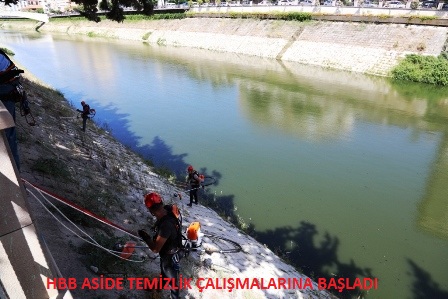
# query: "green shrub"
425,69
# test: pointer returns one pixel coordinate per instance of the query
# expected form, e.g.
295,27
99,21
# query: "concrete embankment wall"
358,47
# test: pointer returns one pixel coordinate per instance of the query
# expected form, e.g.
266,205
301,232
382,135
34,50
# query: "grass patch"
148,162
425,18
164,171
164,16
52,167
276,15
425,69
107,263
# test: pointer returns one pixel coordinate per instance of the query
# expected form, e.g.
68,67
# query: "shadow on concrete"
424,287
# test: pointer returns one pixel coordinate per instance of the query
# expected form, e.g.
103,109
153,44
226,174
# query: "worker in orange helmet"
194,182
165,240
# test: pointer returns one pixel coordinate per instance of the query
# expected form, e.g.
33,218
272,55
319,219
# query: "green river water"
344,174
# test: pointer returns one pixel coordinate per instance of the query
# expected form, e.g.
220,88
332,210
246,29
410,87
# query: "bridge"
28,15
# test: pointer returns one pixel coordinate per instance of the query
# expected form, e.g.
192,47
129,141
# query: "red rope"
81,209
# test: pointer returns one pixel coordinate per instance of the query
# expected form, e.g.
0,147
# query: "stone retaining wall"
358,47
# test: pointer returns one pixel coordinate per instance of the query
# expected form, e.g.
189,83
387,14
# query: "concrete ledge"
6,120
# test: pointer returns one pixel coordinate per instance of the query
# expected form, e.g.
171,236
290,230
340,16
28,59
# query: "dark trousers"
170,270
84,122
194,194
11,133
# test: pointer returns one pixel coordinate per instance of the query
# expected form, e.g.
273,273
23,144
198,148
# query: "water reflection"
280,94
313,112
433,209
298,105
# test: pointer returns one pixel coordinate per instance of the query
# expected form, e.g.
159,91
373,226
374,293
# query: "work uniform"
195,183
167,227
85,115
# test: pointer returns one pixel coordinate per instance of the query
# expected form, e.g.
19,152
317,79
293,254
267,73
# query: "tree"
89,8
104,5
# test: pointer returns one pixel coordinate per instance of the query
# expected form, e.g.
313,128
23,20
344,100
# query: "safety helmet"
152,199
83,103
190,168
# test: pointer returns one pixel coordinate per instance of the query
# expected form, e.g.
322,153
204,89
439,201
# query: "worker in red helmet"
85,112
165,239
194,182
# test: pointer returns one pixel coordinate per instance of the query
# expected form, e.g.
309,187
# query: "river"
343,174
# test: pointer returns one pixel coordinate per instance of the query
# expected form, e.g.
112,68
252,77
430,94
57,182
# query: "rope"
211,182
93,242
44,193
237,246
82,210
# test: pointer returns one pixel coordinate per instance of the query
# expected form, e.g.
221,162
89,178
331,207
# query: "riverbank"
95,171
357,47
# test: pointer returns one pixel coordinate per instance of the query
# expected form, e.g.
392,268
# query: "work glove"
144,235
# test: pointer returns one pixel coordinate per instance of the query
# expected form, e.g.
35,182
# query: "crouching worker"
166,239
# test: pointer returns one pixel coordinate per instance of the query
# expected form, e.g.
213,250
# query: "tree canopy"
114,9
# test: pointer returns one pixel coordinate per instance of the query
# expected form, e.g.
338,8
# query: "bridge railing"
42,17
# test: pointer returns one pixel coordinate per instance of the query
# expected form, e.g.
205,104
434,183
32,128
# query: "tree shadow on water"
298,246
162,155
158,151
424,287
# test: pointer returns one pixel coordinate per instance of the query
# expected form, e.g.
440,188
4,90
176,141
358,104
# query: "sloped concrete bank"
358,47
95,171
